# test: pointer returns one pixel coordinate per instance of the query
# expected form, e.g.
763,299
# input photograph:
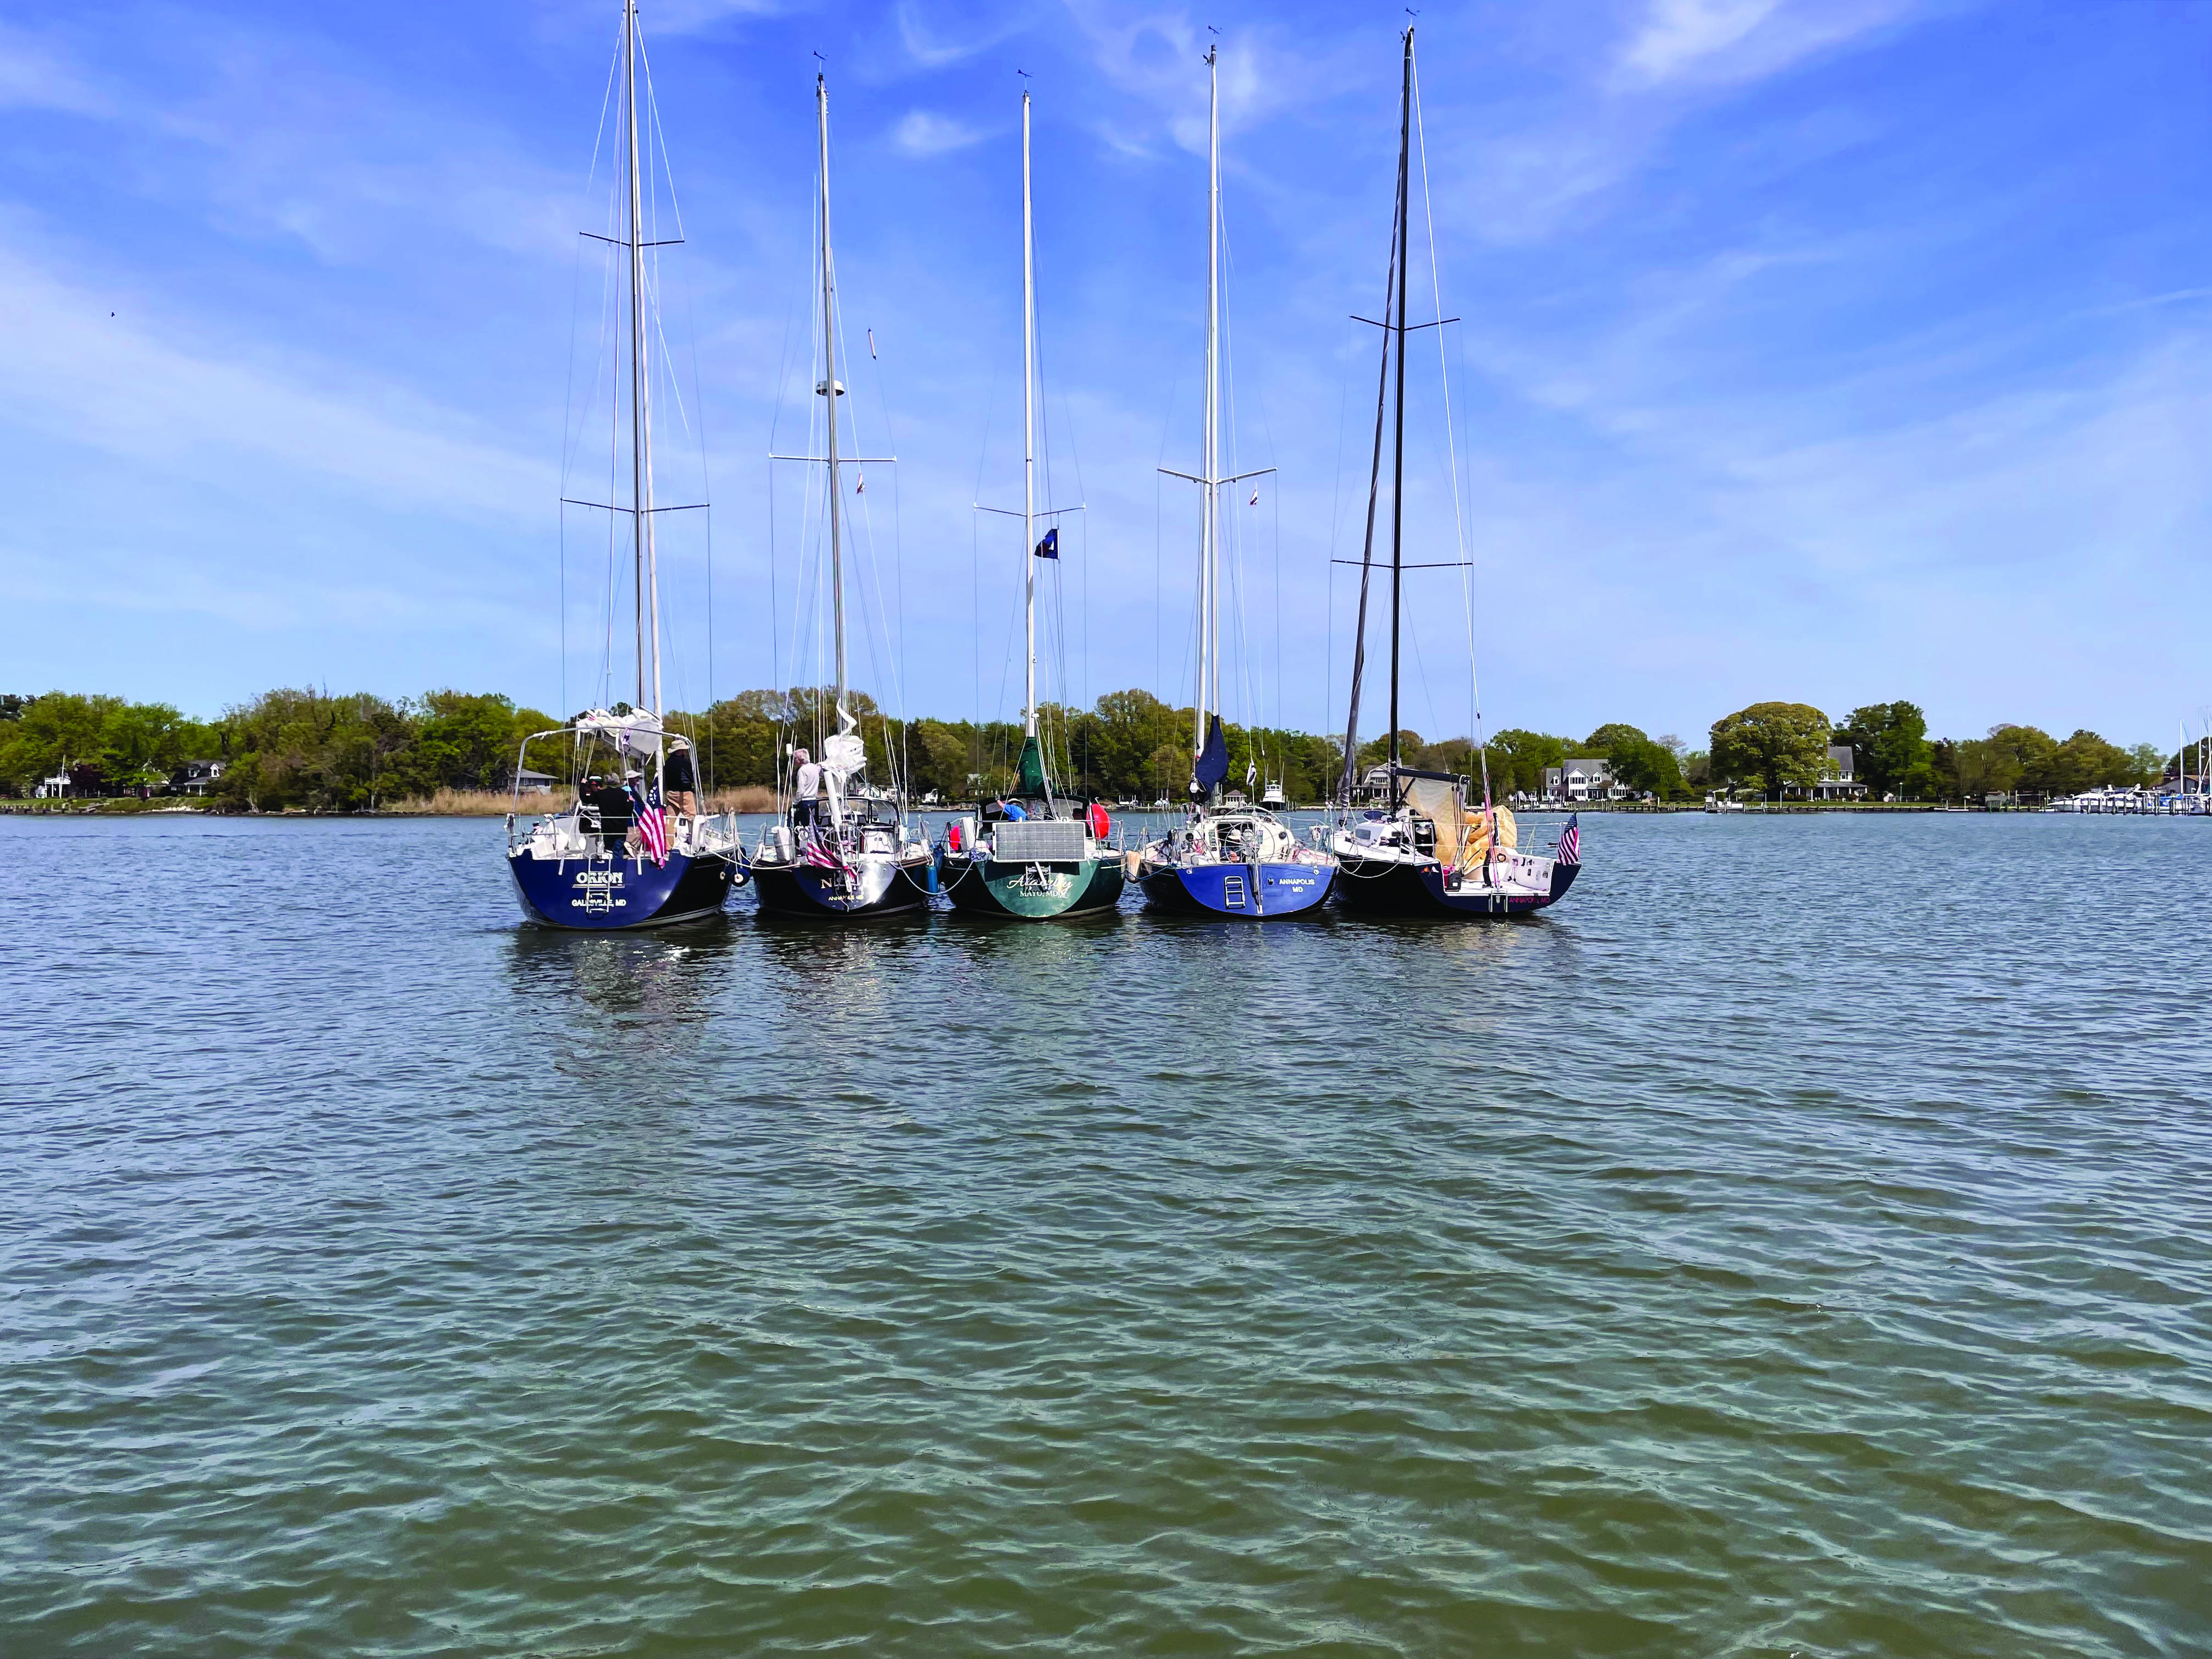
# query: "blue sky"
1831,351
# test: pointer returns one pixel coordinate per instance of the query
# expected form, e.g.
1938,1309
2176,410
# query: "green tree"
2084,760
1771,746
1890,749
1643,764
60,729
1518,760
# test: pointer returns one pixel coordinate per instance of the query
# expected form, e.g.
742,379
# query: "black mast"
1367,549
1398,461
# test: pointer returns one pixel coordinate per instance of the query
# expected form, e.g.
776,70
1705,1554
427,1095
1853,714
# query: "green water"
1794,1243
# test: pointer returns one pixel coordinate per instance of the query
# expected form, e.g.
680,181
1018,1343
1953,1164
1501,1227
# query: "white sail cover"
635,731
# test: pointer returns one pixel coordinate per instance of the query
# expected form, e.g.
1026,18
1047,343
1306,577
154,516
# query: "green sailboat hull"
986,886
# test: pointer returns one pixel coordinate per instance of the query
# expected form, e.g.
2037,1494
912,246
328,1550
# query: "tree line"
305,748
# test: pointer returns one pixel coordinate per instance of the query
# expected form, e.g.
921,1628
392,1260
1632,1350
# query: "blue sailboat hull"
1252,891
608,893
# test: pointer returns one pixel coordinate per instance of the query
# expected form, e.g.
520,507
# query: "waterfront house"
1841,782
195,776
527,782
1588,777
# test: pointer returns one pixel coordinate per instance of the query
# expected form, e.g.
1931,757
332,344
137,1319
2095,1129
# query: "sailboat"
1226,860
1050,861
617,857
1425,843
844,849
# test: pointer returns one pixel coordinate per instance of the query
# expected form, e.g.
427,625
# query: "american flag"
1571,841
822,856
652,821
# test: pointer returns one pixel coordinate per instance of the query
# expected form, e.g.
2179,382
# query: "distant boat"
843,852
1428,845
1226,861
1050,860
1272,794
616,857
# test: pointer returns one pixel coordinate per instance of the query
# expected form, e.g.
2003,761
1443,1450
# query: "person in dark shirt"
679,783
613,803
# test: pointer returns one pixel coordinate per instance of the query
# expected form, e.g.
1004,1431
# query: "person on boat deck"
610,801
634,785
679,782
1012,811
806,791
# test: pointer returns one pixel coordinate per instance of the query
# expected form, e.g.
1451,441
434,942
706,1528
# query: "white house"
1588,777
194,776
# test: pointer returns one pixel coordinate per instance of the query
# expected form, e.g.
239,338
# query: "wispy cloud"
157,391
1735,40
39,73
1156,57
925,133
933,41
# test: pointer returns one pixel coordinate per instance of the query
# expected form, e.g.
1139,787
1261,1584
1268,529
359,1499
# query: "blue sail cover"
1212,763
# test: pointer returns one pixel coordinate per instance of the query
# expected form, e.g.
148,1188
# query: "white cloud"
684,17
925,133
1676,33
1159,57
1736,40
932,45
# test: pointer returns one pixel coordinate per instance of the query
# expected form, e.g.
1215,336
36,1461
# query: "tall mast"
1028,427
648,573
1398,460
1367,549
1209,626
830,391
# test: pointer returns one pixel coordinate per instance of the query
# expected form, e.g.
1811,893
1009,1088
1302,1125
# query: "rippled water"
1796,1243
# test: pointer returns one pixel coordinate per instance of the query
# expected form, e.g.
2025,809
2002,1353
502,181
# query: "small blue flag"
1049,547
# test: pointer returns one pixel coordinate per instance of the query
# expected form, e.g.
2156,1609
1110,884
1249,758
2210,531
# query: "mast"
1398,460
1209,624
831,390
1028,428
1367,549
648,572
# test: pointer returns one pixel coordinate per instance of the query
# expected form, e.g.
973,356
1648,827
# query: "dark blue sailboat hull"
1400,889
611,892
1252,891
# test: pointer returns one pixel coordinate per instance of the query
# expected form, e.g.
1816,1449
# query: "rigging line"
1451,452
1157,590
1335,520
897,645
591,175
1275,546
975,629
614,473
655,130
894,675
563,538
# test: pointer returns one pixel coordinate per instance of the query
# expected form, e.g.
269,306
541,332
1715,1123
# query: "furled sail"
1461,829
1029,781
1212,764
